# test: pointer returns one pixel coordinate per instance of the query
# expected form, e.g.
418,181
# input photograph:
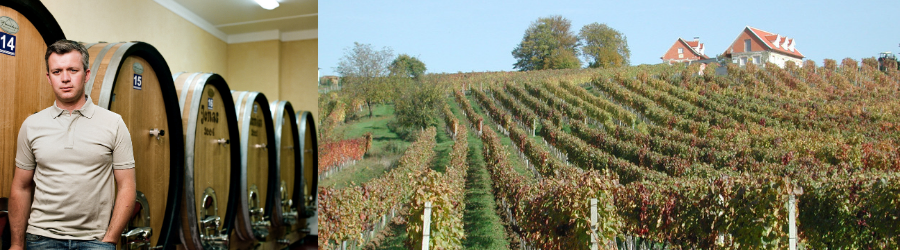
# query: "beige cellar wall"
282,70
299,74
185,46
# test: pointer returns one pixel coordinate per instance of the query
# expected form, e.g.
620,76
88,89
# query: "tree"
417,106
604,47
408,66
363,72
548,44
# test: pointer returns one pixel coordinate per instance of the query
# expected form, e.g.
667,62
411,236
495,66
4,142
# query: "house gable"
762,41
689,51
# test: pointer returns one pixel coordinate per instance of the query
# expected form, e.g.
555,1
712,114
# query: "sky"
479,36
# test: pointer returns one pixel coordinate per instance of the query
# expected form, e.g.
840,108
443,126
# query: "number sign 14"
7,44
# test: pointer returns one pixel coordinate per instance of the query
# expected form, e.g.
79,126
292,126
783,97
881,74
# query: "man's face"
67,76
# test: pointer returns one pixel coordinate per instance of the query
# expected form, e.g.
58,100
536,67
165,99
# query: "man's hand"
125,197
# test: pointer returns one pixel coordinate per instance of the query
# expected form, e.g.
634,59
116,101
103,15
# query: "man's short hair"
65,46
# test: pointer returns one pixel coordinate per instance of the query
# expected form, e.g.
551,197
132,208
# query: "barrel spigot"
138,230
210,235
258,221
137,238
157,132
289,214
217,241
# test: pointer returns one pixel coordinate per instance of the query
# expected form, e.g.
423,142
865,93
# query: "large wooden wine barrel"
27,29
258,167
212,160
133,80
289,165
310,180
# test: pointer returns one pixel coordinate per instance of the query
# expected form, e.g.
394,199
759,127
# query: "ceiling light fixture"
267,4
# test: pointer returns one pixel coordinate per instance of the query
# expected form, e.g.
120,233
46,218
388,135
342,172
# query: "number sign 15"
138,81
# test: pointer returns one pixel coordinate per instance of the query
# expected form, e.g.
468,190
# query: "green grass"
482,225
442,149
367,169
393,238
382,136
386,148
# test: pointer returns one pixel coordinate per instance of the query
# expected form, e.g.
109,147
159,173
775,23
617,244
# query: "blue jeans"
40,242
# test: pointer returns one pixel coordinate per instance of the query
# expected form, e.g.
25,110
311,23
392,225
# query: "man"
66,158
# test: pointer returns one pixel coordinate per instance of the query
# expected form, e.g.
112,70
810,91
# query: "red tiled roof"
692,45
769,40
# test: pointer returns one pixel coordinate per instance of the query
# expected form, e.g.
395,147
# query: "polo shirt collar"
86,110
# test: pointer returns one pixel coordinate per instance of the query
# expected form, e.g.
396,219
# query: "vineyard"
662,157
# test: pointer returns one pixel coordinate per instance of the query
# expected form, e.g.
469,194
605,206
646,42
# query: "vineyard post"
792,222
480,125
426,228
594,237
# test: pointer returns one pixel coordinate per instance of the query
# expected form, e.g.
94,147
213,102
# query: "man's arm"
20,206
125,196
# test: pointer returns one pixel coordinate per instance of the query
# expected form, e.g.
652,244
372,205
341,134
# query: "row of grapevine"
872,235
649,151
618,112
345,213
820,107
589,159
851,144
446,193
546,164
648,209
640,220
649,108
746,141
825,135
334,155
531,206
476,120
604,158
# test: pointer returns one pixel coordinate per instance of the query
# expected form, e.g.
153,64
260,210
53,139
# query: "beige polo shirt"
73,157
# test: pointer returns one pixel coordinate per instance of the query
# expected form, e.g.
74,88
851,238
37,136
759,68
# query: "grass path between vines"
482,225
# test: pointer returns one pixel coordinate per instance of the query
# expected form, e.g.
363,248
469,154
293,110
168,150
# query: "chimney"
699,47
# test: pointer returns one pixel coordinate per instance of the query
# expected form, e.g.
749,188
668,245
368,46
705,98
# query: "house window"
746,45
757,60
680,55
743,61
680,50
